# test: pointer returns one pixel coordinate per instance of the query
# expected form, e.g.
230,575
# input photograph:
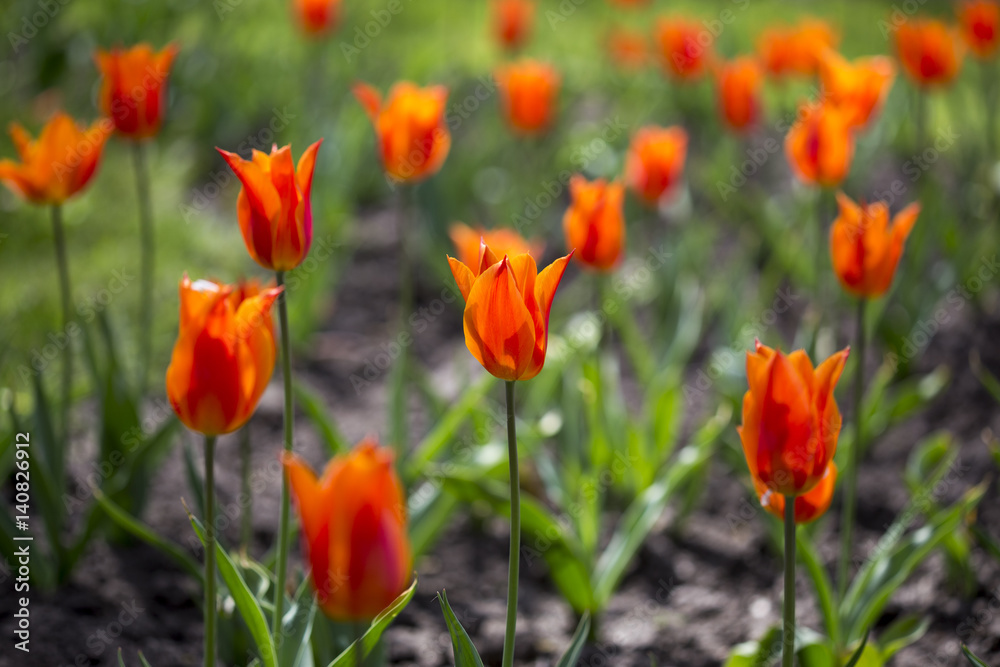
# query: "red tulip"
134,89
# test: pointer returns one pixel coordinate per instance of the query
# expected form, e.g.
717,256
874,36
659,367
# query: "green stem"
246,518
788,629
398,406
210,551
851,476
62,265
148,254
515,531
286,372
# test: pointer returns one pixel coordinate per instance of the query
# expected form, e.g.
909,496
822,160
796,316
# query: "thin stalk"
851,477
788,629
62,265
403,209
514,564
286,372
359,648
209,551
246,518
148,254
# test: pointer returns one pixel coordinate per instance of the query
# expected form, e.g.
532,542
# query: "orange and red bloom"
224,355
929,51
739,89
56,165
797,49
316,17
820,145
274,210
594,223
980,21
507,303
655,161
528,91
410,128
809,506
685,47
512,20
629,49
134,88
790,419
864,248
860,87
468,242
354,530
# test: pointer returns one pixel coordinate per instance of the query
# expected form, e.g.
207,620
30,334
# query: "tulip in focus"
274,210
507,305
860,87
929,51
796,50
820,145
317,17
223,357
528,91
628,48
685,47
594,223
790,419
512,20
739,89
864,248
468,242
980,21
809,506
134,88
655,161
410,128
56,165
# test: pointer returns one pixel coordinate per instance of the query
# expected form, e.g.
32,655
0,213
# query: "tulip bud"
594,224
134,89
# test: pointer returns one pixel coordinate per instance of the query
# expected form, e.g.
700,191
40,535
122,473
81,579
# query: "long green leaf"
294,649
972,657
447,427
901,633
369,640
466,654
313,405
821,584
860,652
572,654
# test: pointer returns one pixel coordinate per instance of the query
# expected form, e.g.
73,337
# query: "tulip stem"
286,373
147,249
209,551
851,482
514,565
788,632
62,264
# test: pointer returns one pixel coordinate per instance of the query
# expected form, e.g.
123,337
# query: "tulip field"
348,333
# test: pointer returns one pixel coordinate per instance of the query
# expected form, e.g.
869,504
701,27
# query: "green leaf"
572,654
430,511
446,428
369,640
972,658
988,380
760,653
814,650
901,633
313,406
121,660
860,652
142,659
821,584
466,654
296,630
194,479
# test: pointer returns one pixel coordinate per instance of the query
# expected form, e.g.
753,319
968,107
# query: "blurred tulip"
628,48
808,506
685,47
739,88
354,530
503,241
528,91
929,51
790,418
59,163
317,17
512,21
594,224
797,49
223,357
860,87
274,210
410,128
507,305
820,145
980,20
864,248
134,87
655,161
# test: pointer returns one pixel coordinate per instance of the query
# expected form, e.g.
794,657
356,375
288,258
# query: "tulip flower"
820,145
412,134
629,49
797,49
929,52
739,88
274,208
655,161
809,506
528,91
685,47
512,21
594,223
860,87
317,17
503,241
134,88
354,530
980,21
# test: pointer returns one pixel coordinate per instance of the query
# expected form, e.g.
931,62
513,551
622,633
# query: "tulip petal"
369,98
464,277
499,330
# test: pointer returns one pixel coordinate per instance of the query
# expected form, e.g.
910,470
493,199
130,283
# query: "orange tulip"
860,87
503,241
820,145
655,161
528,90
354,530
980,20
796,50
864,249
685,47
273,207
134,90
739,82
790,418
628,48
808,506
58,164
929,51
223,357
410,127
594,223
317,16
512,21
507,305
